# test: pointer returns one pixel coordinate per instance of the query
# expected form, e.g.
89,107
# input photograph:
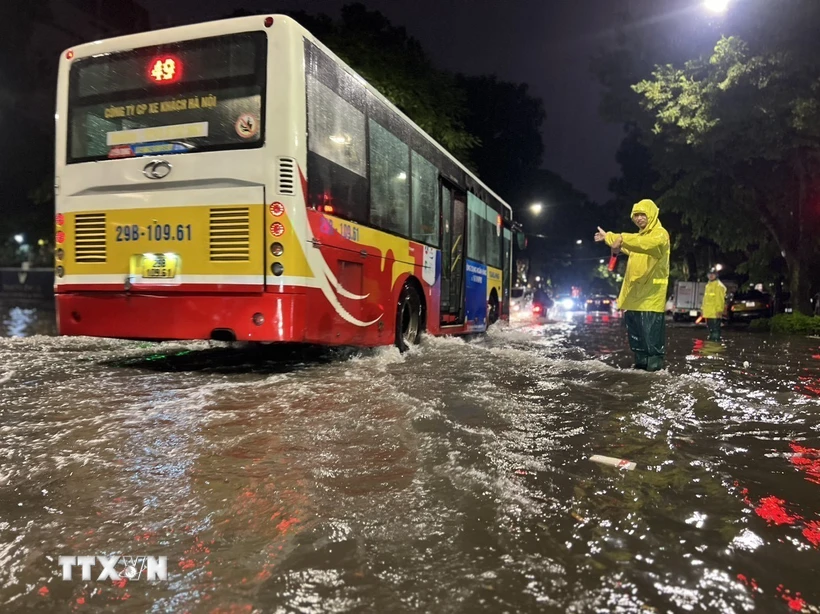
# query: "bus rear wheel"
409,318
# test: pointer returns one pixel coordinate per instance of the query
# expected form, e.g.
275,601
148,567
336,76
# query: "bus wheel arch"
411,314
493,308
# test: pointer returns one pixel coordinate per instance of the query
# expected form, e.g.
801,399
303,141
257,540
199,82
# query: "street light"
536,208
579,242
716,6
537,279
718,267
19,238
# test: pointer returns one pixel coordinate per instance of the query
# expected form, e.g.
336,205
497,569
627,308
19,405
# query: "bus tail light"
276,209
258,319
69,55
60,238
60,271
277,229
268,22
59,219
277,249
277,269
327,208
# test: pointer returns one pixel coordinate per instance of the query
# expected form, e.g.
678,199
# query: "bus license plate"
159,266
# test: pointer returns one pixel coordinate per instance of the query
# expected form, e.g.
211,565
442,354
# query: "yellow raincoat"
714,300
647,271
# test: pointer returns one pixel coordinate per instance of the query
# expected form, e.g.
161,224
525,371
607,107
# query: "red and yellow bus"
234,180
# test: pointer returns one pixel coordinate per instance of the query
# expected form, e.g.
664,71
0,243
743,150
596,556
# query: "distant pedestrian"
714,303
643,293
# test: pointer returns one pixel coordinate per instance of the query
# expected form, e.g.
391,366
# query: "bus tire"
492,309
409,318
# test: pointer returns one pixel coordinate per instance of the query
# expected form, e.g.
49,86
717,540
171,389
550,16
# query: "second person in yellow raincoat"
714,302
643,293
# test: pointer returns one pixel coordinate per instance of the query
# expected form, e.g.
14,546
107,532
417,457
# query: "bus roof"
213,28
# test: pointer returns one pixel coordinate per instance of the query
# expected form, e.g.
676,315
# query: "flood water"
455,478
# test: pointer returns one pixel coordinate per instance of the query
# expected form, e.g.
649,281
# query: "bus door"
453,217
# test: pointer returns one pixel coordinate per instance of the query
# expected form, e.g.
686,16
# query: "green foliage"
734,138
789,324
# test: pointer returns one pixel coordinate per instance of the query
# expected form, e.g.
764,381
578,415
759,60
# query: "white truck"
687,299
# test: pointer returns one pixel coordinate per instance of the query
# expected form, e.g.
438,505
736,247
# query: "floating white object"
746,364
620,463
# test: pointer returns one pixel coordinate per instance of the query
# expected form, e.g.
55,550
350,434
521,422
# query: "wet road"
455,478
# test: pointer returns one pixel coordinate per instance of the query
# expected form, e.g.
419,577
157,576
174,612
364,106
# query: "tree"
395,64
507,122
730,138
736,140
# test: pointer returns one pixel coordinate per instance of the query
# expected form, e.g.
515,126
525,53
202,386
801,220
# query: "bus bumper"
168,316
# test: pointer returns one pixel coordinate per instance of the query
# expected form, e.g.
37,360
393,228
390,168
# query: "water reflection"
707,348
27,318
455,477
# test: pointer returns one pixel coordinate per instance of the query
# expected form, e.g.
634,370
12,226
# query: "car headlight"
567,303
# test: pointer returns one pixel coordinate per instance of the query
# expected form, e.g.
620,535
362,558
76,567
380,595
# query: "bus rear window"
201,95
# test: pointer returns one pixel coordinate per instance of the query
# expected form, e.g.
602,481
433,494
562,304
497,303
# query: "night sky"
544,43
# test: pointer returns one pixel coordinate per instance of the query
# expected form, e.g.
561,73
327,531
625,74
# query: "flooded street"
455,478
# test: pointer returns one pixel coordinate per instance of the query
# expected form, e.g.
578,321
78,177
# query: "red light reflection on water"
796,602
774,510
807,460
808,384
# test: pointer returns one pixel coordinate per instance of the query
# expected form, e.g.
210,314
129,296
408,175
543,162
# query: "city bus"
235,180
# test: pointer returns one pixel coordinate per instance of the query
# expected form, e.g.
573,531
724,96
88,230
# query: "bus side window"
425,226
337,169
389,181
477,228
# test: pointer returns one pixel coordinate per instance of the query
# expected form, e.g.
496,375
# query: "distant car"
600,304
565,306
565,302
521,303
750,305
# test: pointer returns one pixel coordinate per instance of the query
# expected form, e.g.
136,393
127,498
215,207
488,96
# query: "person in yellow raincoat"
643,293
714,302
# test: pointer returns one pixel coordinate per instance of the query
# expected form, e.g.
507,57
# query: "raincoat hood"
650,210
